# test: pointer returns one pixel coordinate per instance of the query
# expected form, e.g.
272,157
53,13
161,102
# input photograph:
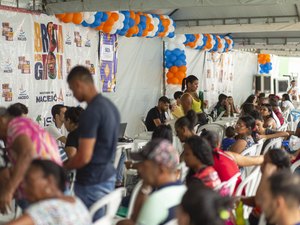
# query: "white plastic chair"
219,129
118,156
172,222
295,165
250,183
251,151
274,143
112,202
231,183
283,127
134,194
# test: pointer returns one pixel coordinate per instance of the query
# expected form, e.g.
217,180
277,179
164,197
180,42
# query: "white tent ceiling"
272,25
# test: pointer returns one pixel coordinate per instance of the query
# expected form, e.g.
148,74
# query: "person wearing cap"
156,116
159,161
25,140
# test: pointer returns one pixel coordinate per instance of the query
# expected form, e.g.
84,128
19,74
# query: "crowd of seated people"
175,185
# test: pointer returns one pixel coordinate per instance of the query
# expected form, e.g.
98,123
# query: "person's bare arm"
157,122
71,151
63,139
84,154
186,102
23,149
275,135
23,220
238,146
246,160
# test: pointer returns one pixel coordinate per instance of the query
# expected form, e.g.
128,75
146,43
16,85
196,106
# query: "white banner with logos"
218,76
37,52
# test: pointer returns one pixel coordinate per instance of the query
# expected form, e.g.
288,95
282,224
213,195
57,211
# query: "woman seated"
198,158
266,112
286,103
203,206
274,160
245,135
44,187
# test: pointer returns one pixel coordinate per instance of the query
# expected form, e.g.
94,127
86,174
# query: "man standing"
58,114
293,91
98,135
156,116
281,199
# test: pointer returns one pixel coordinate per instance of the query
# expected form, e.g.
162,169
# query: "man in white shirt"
55,128
293,91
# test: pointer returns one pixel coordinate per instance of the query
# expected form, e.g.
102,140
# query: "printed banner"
37,53
108,61
218,76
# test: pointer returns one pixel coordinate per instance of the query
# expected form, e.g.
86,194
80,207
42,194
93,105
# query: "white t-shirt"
56,133
59,212
287,105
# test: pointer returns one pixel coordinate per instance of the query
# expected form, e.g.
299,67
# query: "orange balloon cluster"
176,74
194,43
75,18
264,58
208,45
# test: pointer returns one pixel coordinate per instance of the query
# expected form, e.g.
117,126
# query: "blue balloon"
85,24
192,38
171,35
182,57
173,58
131,22
179,63
97,22
168,64
177,52
168,53
98,15
143,19
104,17
126,13
125,28
143,25
126,21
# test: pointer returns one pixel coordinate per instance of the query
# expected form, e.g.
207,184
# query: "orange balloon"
115,16
110,21
148,20
182,68
192,45
107,29
132,15
173,69
180,81
145,33
77,18
100,27
151,27
136,29
180,75
60,16
108,14
170,75
68,18
137,19
174,80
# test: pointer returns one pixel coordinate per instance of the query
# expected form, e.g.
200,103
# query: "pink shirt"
45,146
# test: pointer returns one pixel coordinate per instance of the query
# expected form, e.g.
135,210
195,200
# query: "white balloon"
121,25
113,31
181,47
171,46
156,21
86,16
91,19
171,28
121,17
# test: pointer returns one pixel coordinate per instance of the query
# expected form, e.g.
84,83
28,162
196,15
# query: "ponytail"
183,84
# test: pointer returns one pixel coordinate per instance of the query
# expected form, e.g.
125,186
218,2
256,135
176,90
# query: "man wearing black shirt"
156,116
98,135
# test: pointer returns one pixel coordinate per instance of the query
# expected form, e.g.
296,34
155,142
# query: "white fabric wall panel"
139,79
245,66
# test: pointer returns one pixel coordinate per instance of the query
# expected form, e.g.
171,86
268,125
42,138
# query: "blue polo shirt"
100,120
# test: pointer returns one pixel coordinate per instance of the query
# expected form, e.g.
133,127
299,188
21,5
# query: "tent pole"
164,71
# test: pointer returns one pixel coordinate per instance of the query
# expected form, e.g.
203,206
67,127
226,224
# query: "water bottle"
215,114
239,214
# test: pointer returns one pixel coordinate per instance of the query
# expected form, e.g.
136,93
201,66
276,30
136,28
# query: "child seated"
229,140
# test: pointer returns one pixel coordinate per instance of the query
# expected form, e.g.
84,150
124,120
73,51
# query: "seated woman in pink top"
25,140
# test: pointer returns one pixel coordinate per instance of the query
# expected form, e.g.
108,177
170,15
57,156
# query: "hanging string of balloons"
124,23
175,59
209,42
265,63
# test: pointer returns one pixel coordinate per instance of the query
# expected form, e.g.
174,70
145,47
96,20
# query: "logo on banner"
77,39
7,92
48,48
88,42
24,65
46,121
23,94
7,31
68,39
7,66
49,96
90,66
22,35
